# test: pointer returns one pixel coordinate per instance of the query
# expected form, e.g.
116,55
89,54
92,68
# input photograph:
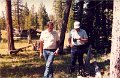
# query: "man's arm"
58,44
69,42
85,40
57,50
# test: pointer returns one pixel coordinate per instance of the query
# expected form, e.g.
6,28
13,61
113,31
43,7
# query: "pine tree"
64,24
17,14
9,25
58,7
42,16
25,14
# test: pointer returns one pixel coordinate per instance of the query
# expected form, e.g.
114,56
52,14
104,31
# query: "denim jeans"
49,57
76,54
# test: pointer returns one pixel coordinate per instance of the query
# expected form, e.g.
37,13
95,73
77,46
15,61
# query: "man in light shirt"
77,38
49,41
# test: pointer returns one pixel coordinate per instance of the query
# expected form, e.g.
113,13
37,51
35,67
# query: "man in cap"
77,38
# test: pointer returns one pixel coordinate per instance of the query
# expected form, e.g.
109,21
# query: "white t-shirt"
49,39
76,35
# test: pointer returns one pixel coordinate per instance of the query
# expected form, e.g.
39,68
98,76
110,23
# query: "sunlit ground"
27,64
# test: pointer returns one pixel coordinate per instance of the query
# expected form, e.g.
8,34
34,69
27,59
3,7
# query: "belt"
78,45
49,49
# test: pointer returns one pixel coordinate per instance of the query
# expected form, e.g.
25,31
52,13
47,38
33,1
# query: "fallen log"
18,50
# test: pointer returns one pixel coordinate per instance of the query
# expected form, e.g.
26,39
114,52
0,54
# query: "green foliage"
42,16
27,22
71,20
25,14
26,18
58,8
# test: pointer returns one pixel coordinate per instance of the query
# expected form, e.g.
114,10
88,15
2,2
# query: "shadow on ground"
30,66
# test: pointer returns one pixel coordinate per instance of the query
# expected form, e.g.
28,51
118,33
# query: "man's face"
77,29
50,27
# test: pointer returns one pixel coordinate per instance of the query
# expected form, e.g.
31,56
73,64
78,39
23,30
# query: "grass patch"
27,64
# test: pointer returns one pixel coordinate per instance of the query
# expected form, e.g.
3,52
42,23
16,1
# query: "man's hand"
83,39
70,45
56,52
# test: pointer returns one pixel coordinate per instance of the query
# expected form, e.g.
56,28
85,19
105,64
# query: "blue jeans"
49,57
76,54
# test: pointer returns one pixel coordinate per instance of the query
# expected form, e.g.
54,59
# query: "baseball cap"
76,24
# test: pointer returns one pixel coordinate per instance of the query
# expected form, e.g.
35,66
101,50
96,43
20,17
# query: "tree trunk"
64,24
115,48
0,34
9,25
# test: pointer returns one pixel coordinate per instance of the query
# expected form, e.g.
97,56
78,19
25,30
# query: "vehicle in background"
23,34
